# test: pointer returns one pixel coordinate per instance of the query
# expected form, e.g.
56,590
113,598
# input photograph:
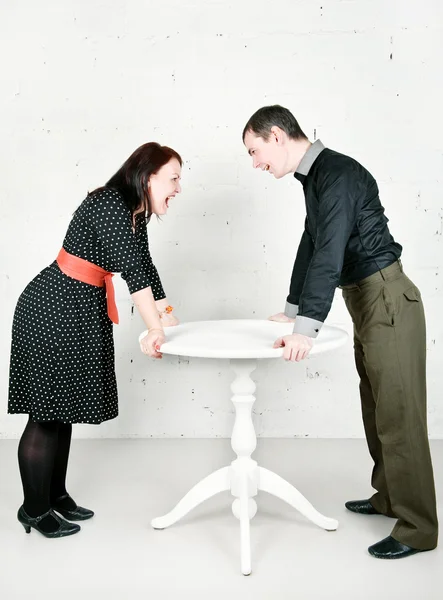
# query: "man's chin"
281,174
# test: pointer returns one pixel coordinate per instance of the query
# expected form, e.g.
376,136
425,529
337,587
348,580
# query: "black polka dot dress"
62,354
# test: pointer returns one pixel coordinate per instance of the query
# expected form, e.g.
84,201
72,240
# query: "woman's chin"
159,212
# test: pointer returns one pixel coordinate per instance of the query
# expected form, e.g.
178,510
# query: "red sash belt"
87,272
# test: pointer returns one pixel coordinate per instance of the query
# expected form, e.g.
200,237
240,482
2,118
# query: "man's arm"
301,265
340,195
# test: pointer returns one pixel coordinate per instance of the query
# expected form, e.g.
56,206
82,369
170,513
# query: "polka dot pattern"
62,352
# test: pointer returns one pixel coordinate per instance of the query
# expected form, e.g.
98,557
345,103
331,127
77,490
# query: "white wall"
83,83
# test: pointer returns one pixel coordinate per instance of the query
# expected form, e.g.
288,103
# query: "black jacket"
346,236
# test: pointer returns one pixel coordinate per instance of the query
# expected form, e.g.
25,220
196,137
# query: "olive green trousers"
390,356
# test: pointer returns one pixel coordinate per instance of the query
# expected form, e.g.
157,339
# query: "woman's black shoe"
74,512
63,530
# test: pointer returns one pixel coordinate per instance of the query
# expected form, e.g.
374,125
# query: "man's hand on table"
281,318
296,346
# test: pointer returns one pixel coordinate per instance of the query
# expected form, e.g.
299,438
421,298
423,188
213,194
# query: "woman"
62,356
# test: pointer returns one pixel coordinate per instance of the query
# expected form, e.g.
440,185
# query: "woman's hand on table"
152,343
296,346
165,313
168,320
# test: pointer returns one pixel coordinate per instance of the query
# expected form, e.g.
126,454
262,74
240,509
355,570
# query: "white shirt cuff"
307,326
291,310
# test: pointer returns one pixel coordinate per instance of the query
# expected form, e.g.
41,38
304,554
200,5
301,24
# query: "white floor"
117,555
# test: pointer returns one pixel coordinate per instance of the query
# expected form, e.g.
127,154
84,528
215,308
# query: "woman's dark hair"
131,180
265,118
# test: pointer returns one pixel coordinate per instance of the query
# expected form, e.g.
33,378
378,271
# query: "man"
346,243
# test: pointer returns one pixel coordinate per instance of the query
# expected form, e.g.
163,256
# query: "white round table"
243,342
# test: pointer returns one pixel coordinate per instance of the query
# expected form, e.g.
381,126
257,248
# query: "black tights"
43,454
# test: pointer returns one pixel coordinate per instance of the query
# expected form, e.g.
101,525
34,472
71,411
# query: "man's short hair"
267,117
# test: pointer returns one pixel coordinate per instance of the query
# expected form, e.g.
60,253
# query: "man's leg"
380,500
393,337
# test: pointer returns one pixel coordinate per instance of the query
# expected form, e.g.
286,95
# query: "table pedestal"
243,477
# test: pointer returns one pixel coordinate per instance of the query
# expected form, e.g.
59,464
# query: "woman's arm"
145,303
167,318
146,306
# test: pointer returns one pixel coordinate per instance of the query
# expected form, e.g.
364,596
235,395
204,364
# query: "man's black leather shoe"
362,507
390,548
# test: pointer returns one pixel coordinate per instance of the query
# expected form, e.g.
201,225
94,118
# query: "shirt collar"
308,160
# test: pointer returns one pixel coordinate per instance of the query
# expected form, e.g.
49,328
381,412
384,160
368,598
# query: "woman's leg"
36,455
58,494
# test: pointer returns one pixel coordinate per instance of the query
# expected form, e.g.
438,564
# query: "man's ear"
277,134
